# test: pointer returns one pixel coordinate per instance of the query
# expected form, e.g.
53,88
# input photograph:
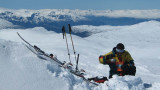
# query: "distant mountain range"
54,19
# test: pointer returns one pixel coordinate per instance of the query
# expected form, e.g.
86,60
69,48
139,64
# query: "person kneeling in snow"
120,61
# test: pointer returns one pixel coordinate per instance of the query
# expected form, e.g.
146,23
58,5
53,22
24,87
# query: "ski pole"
64,35
77,63
70,30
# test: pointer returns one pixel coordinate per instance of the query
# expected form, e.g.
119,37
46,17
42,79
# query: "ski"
42,55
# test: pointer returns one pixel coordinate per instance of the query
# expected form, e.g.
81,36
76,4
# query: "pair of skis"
65,36
42,55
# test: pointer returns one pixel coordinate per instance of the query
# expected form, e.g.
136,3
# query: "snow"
20,69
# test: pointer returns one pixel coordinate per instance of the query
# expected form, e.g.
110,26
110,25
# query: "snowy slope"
20,69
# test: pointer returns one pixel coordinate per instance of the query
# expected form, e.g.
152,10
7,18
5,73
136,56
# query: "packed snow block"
126,83
23,71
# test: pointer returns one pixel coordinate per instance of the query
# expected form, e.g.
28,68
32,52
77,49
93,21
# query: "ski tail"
98,79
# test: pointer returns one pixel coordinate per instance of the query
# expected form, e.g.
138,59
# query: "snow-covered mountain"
20,69
6,24
54,19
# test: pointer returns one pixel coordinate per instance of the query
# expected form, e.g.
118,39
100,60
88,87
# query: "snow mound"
124,83
22,70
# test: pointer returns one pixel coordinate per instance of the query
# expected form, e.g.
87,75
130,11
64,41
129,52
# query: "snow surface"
20,69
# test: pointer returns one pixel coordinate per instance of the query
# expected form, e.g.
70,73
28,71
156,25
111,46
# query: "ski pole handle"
70,30
77,62
63,31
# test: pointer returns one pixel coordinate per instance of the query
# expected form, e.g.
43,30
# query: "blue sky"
80,4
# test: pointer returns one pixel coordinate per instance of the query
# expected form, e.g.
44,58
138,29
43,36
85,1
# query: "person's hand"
113,60
101,59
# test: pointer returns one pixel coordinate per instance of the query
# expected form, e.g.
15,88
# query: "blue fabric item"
130,65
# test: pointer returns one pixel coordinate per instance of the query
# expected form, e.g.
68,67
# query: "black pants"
129,70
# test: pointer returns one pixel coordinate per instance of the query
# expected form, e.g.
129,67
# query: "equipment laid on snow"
70,30
42,55
77,62
64,35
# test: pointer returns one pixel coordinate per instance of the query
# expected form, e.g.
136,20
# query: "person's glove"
113,60
102,59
